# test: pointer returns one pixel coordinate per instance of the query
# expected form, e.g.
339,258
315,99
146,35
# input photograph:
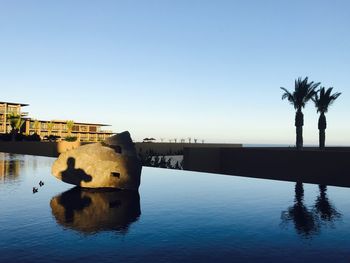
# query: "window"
92,128
83,128
13,109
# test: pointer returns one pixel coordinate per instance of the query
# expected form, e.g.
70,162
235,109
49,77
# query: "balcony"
105,131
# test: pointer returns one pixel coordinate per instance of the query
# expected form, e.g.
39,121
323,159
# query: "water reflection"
307,221
324,208
10,166
89,211
304,220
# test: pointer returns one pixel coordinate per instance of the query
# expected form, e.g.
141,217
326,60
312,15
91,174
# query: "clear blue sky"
176,69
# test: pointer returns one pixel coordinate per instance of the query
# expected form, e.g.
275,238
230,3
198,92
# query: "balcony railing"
105,131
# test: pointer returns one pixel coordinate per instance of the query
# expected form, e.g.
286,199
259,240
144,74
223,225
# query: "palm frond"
324,99
289,96
303,91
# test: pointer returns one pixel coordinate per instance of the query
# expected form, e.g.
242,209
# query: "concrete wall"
171,148
330,167
53,149
49,149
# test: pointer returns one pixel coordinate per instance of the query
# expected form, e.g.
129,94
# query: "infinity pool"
177,216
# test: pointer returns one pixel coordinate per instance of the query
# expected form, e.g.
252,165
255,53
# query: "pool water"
177,216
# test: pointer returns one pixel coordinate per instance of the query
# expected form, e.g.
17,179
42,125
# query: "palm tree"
36,125
70,125
323,99
16,123
303,92
50,127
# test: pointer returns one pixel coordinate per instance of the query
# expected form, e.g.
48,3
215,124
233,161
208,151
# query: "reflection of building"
83,131
9,168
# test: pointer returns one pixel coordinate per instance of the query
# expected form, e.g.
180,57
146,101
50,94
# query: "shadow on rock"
90,211
74,176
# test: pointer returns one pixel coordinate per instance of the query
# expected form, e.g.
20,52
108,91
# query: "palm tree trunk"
13,134
322,139
299,122
322,125
299,139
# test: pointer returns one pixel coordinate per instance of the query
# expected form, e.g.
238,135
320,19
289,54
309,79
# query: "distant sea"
285,145
266,145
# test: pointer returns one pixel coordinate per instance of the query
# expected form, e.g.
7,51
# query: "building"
86,132
7,108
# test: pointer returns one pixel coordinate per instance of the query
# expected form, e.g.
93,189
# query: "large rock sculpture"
112,163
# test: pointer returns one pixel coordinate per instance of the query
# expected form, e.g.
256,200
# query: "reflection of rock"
112,163
90,211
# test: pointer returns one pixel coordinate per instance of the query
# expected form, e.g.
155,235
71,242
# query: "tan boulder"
112,163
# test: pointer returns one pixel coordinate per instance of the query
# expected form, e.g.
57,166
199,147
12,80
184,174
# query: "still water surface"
177,216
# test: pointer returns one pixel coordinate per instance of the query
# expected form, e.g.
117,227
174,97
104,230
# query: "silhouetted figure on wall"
74,176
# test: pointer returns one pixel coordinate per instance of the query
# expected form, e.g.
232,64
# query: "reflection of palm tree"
303,219
303,92
322,103
324,207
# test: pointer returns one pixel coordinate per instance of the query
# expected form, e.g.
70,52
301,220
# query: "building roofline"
65,121
14,103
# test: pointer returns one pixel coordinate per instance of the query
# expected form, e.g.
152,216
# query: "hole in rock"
115,174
